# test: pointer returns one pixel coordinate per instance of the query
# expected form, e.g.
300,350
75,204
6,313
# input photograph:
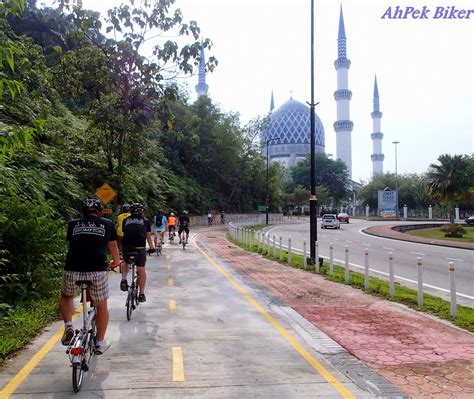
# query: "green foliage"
33,243
453,230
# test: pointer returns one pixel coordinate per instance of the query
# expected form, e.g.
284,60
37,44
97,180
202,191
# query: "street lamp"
267,200
397,215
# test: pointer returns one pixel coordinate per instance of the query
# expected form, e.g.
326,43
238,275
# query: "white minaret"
377,136
202,87
343,126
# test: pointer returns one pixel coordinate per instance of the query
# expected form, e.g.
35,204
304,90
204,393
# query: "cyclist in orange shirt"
171,225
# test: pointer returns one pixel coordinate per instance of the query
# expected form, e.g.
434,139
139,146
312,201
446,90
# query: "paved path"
424,357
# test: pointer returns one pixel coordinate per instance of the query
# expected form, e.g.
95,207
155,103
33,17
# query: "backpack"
159,220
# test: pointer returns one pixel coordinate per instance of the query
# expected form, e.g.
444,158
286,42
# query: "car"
330,220
470,219
343,217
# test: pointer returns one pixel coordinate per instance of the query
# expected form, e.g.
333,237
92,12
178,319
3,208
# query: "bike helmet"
126,207
185,212
91,204
171,214
136,208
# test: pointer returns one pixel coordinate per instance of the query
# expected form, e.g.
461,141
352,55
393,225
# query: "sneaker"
67,335
101,347
124,285
141,298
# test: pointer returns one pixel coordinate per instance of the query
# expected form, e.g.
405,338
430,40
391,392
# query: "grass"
20,324
377,287
436,234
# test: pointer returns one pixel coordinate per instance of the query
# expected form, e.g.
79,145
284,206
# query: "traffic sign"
105,193
262,208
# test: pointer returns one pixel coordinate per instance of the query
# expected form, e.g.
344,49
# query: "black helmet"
126,207
136,208
91,204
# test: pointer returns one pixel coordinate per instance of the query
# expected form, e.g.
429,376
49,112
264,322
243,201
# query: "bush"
32,250
453,230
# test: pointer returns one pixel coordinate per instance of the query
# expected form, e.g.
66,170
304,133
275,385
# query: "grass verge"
20,324
378,287
437,234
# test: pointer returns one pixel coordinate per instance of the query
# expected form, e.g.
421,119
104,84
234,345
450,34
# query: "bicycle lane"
203,332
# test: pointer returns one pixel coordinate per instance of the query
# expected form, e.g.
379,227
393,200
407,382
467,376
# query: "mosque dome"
290,127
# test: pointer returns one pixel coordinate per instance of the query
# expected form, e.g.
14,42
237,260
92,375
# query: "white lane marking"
457,260
390,249
366,245
417,253
348,241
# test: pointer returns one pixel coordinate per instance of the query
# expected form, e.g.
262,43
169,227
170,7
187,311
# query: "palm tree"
450,180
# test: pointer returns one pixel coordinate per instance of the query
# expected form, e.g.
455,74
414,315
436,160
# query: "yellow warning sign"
106,193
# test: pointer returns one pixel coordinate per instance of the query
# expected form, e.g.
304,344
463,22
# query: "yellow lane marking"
170,281
178,364
33,362
168,267
172,306
168,257
289,338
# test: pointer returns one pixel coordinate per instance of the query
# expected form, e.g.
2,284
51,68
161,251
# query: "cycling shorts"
181,229
100,284
141,260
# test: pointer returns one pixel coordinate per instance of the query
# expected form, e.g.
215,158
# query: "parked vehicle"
470,219
330,220
343,217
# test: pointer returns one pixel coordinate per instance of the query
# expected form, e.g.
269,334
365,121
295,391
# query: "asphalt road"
435,259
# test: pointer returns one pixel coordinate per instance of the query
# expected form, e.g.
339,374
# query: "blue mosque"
286,134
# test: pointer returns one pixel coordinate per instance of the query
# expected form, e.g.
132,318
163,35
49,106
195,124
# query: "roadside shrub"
32,250
453,230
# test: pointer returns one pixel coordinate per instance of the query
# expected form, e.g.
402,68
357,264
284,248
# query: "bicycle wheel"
77,377
129,305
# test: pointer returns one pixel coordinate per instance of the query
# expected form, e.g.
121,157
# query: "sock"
68,324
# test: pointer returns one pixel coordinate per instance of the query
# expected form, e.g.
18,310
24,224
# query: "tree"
450,181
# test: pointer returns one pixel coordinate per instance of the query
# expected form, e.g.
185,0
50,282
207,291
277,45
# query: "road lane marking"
172,306
170,281
390,249
168,257
34,361
168,267
456,260
288,337
417,253
348,241
366,245
178,364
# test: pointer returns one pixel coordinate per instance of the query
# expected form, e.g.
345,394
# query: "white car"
330,220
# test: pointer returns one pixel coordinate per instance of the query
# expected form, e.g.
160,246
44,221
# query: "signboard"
107,211
387,203
262,208
105,193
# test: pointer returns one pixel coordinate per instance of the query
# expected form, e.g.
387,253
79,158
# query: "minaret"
377,156
272,103
343,126
202,87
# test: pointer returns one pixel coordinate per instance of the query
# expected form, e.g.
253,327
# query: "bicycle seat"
86,282
130,256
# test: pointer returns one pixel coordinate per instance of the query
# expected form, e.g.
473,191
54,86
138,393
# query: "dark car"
343,217
470,219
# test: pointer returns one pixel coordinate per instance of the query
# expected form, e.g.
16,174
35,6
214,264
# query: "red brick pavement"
424,357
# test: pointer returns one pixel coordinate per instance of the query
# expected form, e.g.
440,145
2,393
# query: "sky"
424,70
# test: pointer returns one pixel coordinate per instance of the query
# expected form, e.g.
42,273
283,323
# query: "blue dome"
291,124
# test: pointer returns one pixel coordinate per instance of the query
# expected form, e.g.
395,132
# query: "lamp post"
267,200
313,232
397,215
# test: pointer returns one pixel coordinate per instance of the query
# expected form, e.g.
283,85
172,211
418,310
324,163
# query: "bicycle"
172,234
132,297
81,348
183,242
158,247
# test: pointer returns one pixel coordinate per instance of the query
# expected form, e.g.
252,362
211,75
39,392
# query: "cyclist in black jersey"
136,233
183,225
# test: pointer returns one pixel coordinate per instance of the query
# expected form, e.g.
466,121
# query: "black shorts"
140,261
181,229
171,228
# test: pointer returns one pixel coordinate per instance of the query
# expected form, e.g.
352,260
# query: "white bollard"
452,287
281,250
274,247
258,242
419,266
366,268
269,243
304,255
289,251
331,259
391,274
346,264
316,252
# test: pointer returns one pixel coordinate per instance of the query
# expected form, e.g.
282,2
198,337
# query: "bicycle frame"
132,297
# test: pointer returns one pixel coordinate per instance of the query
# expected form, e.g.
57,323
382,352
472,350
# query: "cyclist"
125,213
222,217
209,218
159,226
89,238
183,224
136,233
171,225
